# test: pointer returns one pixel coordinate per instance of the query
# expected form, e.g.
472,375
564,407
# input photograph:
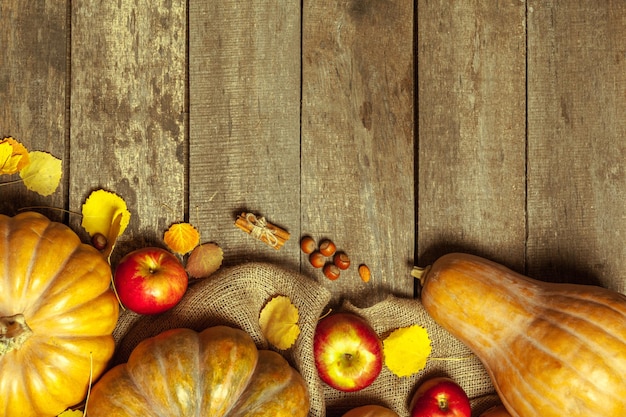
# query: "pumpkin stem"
420,273
13,333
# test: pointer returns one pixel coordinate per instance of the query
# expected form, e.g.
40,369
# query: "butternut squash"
551,349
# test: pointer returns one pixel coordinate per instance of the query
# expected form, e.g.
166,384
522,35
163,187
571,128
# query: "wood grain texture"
471,75
244,76
576,141
33,74
128,110
357,141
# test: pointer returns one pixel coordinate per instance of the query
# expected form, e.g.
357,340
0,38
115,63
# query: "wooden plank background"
401,131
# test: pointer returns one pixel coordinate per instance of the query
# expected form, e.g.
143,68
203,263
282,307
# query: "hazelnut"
317,259
99,241
327,248
341,260
331,271
307,244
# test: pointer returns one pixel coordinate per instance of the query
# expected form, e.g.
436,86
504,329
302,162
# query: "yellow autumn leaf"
8,163
43,174
407,350
279,322
13,156
181,238
100,210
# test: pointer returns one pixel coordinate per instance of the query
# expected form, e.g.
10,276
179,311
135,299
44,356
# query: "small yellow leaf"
100,211
8,163
204,260
71,413
181,238
279,322
406,350
13,156
43,174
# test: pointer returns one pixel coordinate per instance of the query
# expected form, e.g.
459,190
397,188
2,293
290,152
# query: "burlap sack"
235,295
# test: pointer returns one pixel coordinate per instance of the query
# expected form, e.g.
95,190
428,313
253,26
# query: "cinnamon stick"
262,230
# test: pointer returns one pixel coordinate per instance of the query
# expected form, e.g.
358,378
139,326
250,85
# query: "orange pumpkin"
371,411
217,372
57,313
551,349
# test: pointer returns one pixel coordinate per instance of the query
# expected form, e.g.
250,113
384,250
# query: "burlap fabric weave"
234,296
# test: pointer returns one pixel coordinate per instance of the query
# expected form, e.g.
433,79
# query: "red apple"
440,397
348,353
150,280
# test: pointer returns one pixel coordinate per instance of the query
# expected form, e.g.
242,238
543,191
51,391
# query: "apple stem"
443,403
330,310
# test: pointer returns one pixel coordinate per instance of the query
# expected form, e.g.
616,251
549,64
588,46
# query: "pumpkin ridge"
540,382
152,353
33,307
163,365
41,294
592,347
596,296
97,288
38,403
506,357
35,255
82,315
584,319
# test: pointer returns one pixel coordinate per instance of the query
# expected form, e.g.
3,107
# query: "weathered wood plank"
128,110
357,141
32,91
576,146
471,77
244,75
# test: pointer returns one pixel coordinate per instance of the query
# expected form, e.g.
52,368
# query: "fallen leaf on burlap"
406,350
279,322
43,174
100,211
13,156
204,260
181,238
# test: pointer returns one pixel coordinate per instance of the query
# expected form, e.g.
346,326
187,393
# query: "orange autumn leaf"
279,322
181,238
13,156
204,260
407,350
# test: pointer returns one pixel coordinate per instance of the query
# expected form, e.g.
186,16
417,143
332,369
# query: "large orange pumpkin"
217,372
57,313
